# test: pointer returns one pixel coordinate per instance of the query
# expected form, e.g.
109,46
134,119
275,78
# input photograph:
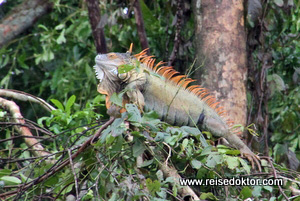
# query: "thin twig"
275,176
74,174
28,125
20,95
169,154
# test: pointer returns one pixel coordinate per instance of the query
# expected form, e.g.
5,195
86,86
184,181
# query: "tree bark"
21,18
221,45
95,18
140,25
179,15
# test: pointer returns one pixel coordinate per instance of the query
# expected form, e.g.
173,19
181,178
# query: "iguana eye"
112,56
123,76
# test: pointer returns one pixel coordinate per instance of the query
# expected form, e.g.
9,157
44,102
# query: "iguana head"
107,64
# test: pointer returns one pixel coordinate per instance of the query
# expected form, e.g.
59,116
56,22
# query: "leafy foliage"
124,163
278,61
58,54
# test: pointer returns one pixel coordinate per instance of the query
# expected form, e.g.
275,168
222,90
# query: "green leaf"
21,61
227,150
5,172
268,188
25,179
10,180
162,194
196,164
90,195
206,151
214,159
208,196
153,186
52,181
43,27
160,136
232,162
148,16
125,68
69,104
117,99
195,132
257,191
133,113
117,127
109,139
174,190
58,104
138,148
5,81
151,119
245,165
152,115
160,175
276,83
61,38
184,143
245,193
146,163
59,27
264,162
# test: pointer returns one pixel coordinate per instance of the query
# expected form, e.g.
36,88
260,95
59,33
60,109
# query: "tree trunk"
95,18
221,46
22,17
140,25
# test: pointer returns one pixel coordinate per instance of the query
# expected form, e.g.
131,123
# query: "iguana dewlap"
163,90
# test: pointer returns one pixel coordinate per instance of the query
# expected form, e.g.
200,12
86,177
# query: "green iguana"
163,90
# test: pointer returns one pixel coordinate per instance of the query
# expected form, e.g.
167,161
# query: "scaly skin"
166,93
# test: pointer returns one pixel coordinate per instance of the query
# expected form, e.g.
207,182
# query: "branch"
63,164
14,110
19,95
185,191
22,17
140,25
95,19
275,176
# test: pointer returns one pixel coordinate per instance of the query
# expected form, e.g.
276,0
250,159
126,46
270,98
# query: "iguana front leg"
135,96
134,89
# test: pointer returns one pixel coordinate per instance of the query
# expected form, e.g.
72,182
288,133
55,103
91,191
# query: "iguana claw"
251,157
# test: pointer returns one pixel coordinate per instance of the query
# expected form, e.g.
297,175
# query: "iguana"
163,90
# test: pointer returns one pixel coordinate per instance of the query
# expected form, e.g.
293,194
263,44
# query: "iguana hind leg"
219,129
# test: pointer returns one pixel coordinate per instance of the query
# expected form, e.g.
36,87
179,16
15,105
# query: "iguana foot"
251,157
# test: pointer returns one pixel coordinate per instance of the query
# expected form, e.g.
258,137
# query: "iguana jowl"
163,90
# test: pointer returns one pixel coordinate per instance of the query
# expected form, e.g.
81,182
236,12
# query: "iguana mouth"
99,73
